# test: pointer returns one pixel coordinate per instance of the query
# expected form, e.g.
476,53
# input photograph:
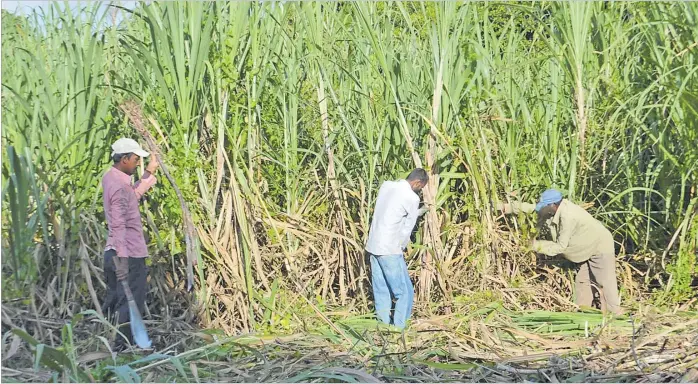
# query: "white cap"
125,145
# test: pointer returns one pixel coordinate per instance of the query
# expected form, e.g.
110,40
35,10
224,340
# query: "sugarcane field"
349,191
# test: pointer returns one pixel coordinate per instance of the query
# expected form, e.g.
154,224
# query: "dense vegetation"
279,121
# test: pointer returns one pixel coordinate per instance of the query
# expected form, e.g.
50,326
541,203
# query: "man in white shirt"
394,217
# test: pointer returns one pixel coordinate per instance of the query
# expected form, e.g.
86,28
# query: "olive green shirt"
576,234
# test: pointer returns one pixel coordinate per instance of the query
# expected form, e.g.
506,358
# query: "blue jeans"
390,277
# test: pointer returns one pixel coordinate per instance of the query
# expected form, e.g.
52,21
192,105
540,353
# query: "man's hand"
532,245
425,208
121,264
153,164
500,207
528,246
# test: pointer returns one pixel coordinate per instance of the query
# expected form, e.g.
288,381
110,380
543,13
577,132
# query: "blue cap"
550,196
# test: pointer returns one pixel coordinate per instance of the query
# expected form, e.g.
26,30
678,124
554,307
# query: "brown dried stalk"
135,115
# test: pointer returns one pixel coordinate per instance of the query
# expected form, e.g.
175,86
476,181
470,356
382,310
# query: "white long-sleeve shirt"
396,212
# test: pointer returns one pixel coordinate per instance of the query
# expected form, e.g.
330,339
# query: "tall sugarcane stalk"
135,116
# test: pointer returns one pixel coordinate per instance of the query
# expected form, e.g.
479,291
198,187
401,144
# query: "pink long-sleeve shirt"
122,213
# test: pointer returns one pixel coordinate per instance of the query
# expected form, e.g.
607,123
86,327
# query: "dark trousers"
115,303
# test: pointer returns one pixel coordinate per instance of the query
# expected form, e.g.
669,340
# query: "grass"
491,344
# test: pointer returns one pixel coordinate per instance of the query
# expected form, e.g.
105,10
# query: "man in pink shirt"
125,252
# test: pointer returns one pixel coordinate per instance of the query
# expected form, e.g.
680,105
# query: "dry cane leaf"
14,347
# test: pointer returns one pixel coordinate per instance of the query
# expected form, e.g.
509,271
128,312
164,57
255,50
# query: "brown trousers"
599,273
